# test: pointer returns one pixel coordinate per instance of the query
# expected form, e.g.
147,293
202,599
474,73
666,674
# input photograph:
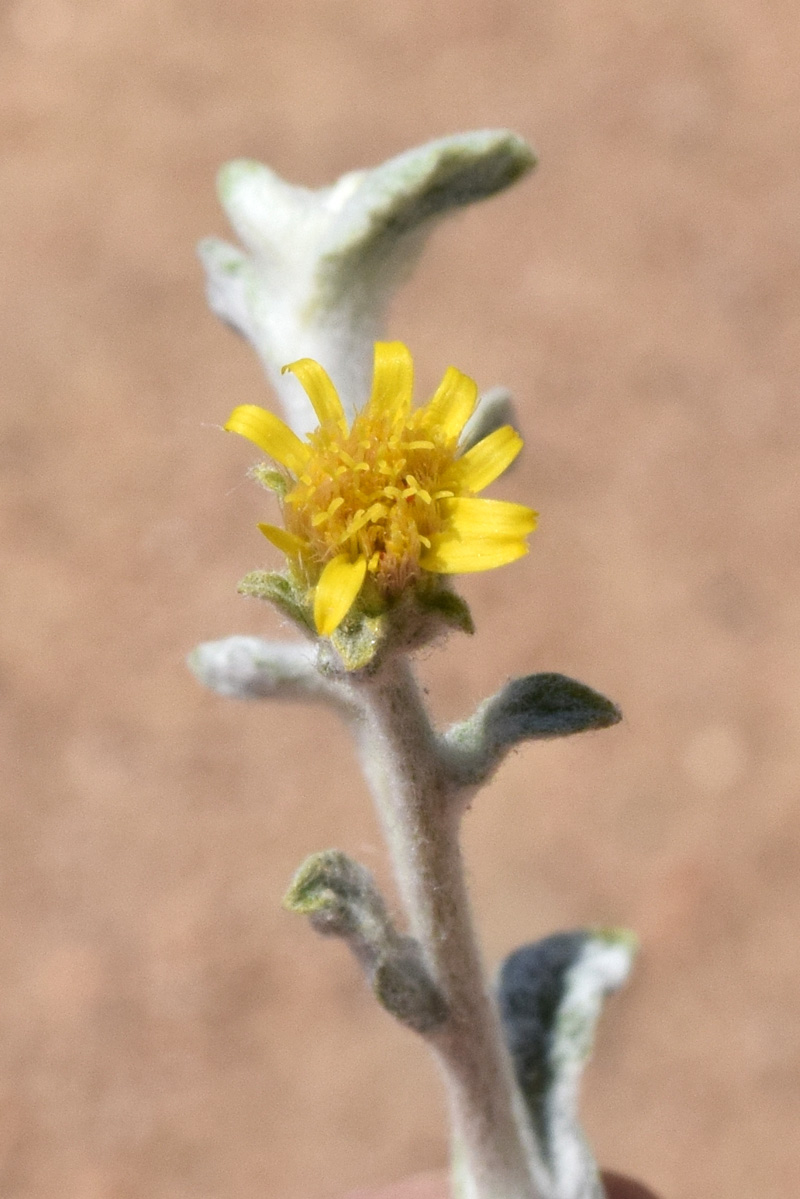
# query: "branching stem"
420,808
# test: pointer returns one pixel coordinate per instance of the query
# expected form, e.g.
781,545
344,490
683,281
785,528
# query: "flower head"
380,503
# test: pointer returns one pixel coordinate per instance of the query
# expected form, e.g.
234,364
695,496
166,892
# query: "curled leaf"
341,899
550,995
321,264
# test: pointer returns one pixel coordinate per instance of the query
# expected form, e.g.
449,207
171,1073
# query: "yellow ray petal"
487,460
317,384
487,518
336,592
270,434
449,555
287,543
452,404
392,380
478,535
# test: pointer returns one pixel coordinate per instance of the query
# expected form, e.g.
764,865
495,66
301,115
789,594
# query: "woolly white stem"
418,806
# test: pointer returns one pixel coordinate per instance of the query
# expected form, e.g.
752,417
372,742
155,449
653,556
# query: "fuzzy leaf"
251,668
407,192
332,883
449,607
341,900
550,997
322,264
403,986
228,273
546,705
278,590
532,708
358,640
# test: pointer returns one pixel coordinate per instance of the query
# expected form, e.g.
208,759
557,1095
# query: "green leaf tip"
625,937
327,881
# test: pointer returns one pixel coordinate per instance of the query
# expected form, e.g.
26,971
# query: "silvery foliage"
320,266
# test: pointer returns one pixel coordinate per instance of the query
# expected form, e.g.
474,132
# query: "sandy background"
167,1031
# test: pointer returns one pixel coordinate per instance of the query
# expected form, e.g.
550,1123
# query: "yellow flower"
390,497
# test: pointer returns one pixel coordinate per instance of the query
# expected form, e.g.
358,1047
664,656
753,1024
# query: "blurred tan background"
167,1031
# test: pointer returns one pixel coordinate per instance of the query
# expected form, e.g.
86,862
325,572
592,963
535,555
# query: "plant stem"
419,807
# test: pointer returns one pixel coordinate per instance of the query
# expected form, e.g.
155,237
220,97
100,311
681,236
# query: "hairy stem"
420,812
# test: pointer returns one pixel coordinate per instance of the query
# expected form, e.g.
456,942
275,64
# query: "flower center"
371,492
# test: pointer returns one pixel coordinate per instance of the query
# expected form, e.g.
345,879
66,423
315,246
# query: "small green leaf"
325,878
337,893
274,480
278,590
452,609
528,709
358,640
546,705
